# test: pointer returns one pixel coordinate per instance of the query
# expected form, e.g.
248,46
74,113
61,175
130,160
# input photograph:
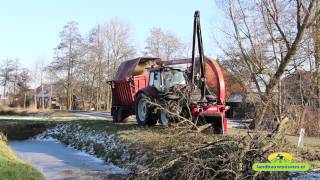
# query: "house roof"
55,87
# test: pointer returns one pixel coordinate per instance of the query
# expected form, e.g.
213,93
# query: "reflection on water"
56,161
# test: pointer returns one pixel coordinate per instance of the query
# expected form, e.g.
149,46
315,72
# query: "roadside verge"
11,167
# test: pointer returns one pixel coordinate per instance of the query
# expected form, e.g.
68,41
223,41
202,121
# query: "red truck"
146,87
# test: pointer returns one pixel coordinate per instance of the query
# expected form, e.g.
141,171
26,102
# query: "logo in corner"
281,161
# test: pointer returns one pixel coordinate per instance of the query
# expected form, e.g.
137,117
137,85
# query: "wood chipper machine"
171,91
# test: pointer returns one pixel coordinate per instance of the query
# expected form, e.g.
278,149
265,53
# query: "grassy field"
12,168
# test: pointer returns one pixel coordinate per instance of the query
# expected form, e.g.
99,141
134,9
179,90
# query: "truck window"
173,77
155,79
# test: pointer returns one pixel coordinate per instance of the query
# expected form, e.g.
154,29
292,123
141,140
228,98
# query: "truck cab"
153,100
164,78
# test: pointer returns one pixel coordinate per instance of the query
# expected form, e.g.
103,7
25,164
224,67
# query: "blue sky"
29,29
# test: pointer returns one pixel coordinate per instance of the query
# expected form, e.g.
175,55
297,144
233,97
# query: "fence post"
301,137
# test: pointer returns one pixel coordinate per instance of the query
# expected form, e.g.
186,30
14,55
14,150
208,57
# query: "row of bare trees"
84,63
14,79
166,45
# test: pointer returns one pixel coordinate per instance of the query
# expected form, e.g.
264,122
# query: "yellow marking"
285,155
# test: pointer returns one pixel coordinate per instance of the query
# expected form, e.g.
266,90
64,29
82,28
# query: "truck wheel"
142,110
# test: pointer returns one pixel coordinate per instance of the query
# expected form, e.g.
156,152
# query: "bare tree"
37,76
264,41
6,74
14,79
67,56
23,80
315,32
165,45
105,47
118,42
118,45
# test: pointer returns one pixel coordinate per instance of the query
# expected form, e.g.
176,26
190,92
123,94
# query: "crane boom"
197,35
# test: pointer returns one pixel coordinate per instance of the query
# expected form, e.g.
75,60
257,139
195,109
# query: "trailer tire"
143,111
115,118
120,116
114,114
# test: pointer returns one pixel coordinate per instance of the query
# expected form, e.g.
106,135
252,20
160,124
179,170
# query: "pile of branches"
179,111
224,158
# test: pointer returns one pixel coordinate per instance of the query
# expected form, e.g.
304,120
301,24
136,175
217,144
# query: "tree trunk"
50,98
25,101
68,87
316,37
42,98
35,99
4,93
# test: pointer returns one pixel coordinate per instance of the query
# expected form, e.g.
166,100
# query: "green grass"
12,168
315,164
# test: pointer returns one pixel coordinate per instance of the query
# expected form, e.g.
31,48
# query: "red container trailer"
132,75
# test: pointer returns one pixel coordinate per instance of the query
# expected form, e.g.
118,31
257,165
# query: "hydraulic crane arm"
216,68
197,34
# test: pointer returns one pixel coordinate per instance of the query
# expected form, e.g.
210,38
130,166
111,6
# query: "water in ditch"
57,161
